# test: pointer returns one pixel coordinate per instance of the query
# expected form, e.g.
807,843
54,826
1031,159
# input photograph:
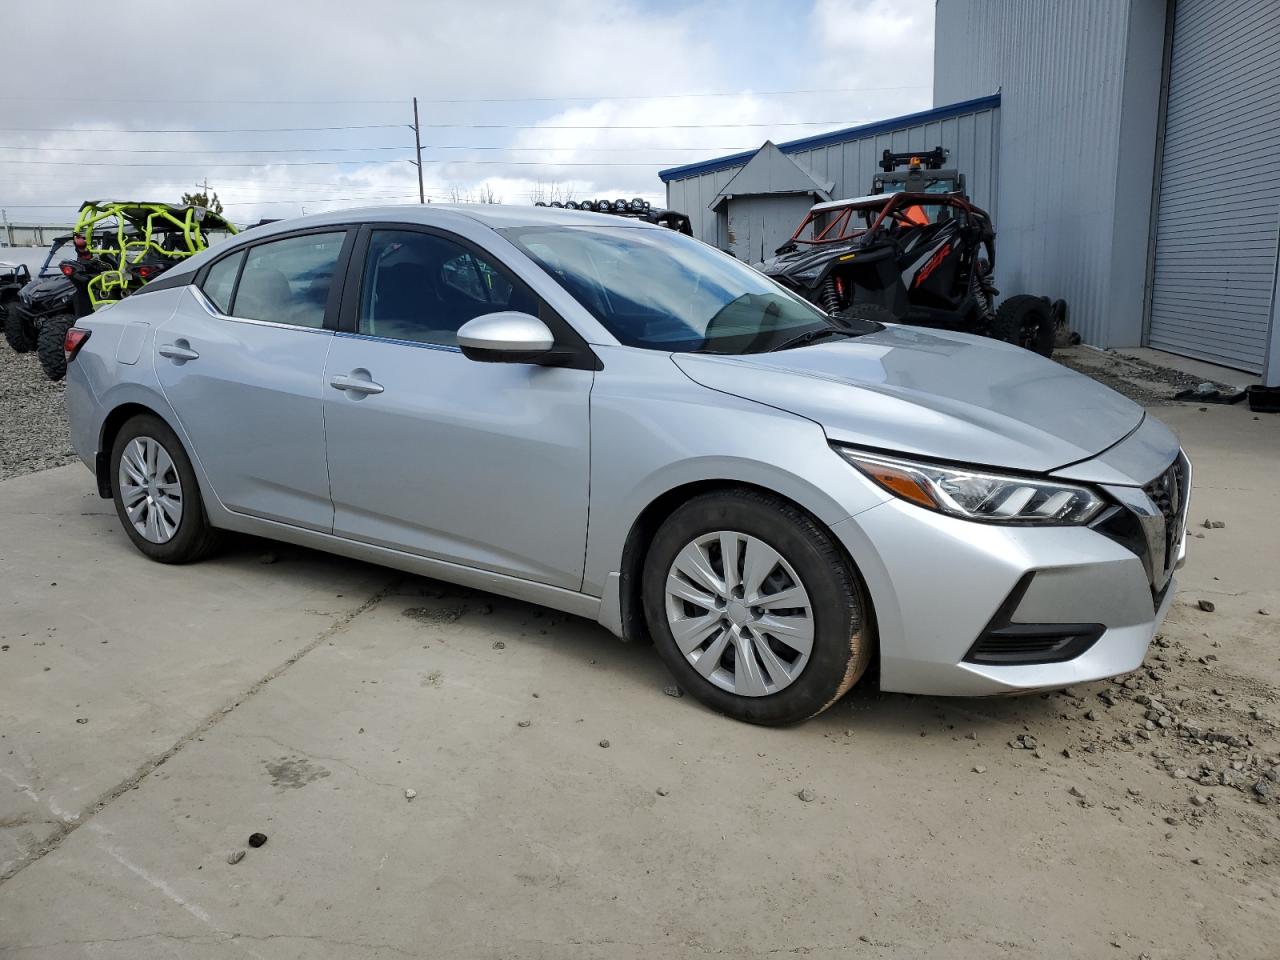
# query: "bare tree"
484,194
551,192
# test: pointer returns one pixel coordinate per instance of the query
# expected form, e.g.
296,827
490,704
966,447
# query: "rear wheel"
156,495
53,334
1026,321
18,331
755,609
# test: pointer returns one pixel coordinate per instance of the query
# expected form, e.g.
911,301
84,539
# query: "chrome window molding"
214,312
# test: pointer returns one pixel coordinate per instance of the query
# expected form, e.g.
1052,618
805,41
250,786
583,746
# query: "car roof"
494,215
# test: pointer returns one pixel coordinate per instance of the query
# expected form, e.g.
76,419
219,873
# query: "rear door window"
288,281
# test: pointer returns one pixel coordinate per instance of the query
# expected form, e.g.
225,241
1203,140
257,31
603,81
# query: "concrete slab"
537,841
109,659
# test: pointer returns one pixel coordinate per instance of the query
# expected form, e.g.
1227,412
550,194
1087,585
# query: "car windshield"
662,290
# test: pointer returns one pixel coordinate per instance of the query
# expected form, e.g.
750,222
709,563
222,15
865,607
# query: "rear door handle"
355,384
177,351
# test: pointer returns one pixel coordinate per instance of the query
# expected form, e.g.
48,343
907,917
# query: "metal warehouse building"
1129,151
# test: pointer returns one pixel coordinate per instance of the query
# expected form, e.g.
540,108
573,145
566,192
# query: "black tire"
194,538
872,312
53,334
843,635
18,331
1026,321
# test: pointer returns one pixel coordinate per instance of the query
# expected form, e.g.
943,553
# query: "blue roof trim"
835,136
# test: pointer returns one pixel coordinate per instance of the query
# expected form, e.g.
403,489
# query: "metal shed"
1139,163
844,159
758,209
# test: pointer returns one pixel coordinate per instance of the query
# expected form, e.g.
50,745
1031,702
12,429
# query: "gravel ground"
1140,380
33,429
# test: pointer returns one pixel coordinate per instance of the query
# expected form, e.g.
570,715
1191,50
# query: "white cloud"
331,50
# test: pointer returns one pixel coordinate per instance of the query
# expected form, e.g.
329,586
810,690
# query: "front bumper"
940,585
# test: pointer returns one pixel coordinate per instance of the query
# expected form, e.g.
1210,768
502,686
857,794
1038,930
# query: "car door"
481,464
241,362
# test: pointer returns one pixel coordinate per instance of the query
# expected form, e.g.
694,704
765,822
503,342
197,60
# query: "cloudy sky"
286,105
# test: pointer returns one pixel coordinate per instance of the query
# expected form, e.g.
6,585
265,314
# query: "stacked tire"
1027,321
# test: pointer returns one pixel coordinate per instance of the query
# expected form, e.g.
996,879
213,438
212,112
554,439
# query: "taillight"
146,272
75,339
67,269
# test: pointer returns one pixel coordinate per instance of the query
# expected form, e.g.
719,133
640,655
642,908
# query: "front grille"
1151,523
1169,494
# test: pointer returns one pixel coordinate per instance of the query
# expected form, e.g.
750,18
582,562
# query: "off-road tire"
844,634
194,538
17,330
872,312
1026,321
49,341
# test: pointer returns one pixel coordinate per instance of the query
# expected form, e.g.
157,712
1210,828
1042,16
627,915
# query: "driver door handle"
355,385
177,351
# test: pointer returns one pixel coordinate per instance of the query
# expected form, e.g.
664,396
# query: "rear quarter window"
221,280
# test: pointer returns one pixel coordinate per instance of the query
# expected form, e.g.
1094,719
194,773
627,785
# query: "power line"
460,100
188,152
662,126
440,146
450,126
363,126
330,163
202,166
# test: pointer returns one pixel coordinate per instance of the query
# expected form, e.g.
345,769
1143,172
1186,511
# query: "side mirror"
505,337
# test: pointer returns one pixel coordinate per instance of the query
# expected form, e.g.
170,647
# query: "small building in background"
750,203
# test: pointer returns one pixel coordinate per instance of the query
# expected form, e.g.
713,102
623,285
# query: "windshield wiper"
809,336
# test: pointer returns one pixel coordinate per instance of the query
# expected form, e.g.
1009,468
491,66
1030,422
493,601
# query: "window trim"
332,305
570,349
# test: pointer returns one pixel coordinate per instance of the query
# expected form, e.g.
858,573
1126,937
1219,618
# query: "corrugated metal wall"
1059,67
1219,212
973,139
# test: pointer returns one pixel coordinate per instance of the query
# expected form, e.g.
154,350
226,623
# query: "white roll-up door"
1218,218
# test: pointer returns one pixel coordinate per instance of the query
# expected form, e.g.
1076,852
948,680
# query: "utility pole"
417,142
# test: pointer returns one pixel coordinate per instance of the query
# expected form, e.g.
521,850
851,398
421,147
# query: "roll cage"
875,211
125,233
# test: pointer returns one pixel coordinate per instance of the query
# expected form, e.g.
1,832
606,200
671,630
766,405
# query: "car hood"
932,394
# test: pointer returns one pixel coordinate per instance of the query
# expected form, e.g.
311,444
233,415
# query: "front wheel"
1027,321
755,609
156,495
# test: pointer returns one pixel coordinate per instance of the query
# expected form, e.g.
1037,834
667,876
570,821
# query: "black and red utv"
917,251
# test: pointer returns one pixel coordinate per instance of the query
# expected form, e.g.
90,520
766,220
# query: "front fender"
653,430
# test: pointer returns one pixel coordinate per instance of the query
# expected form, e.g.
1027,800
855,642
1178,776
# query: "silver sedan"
614,420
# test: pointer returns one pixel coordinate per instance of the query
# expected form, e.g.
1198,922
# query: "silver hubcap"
739,613
150,489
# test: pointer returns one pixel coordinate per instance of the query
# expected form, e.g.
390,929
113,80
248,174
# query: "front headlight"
977,495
